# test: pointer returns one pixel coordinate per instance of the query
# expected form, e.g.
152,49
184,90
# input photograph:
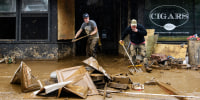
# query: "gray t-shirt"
89,27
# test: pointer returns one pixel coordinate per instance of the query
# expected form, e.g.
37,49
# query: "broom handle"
128,54
80,38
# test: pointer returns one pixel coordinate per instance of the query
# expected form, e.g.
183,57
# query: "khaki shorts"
138,50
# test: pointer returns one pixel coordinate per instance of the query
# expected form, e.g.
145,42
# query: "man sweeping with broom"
137,33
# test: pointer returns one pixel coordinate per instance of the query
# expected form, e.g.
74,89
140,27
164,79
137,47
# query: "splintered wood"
79,77
176,51
94,64
74,80
24,77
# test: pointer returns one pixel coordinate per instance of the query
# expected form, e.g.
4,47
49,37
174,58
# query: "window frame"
16,24
18,17
34,12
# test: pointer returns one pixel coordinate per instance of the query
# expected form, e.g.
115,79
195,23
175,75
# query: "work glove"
121,42
73,39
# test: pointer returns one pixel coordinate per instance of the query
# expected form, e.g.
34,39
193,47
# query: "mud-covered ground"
187,81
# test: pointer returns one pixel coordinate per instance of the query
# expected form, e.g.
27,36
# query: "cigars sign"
169,17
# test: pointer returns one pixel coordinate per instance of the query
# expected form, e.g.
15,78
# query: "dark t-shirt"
89,27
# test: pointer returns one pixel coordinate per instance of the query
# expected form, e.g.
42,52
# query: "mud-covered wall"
65,50
30,51
37,51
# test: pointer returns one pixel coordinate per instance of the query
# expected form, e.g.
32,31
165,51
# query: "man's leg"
142,52
89,41
133,53
92,47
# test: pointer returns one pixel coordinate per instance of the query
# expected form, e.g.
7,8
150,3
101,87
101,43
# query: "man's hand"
121,42
73,39
135,30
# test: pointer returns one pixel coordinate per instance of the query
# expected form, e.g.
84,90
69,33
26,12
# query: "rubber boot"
148,69
134,60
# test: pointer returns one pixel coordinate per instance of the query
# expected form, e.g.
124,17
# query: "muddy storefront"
43,29
29,30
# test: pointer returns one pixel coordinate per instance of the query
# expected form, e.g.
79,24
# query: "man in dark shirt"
137,33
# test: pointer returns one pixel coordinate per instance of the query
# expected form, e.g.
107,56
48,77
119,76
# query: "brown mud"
187,81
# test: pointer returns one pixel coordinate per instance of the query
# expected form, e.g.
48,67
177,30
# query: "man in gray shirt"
90,28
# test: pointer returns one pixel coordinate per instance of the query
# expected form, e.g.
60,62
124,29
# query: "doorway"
106,13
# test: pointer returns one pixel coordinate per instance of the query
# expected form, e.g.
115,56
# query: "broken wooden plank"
24,77
68,73
118,85
155,66
110,90
171,89
131,78
79,76
151,82
87,81
77,90
121,79
97,77
104,94
93,63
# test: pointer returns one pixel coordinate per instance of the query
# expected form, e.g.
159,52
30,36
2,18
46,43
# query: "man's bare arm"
94,32
78,33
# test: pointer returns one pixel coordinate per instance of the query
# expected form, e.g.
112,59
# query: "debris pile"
120,81
90,79
8,60
168,56
193,37
79,80
97,73
161,61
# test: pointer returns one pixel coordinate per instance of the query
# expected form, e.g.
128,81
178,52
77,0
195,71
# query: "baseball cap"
133,22
85,15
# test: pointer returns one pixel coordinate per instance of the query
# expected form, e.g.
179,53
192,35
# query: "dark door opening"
106,13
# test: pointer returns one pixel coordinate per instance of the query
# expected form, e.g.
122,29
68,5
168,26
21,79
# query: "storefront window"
31,17
8,19
34,20
171,19
7,5
34,5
